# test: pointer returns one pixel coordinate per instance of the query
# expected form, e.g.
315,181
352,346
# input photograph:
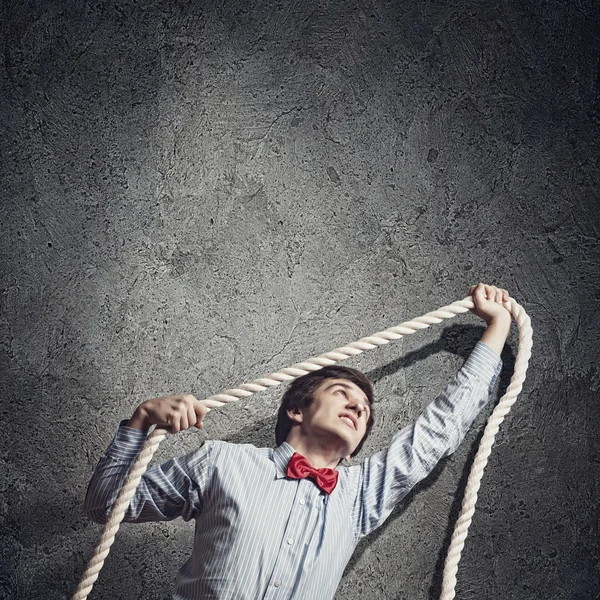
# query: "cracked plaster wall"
195,194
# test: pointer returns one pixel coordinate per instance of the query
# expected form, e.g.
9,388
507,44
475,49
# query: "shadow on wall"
460,340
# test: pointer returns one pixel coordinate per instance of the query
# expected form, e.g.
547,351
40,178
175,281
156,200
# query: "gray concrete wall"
195,194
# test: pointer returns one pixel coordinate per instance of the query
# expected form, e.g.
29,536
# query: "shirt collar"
281,458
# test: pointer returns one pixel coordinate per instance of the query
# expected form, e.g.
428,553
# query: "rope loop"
381,338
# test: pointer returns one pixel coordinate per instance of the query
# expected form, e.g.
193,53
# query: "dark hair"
300,395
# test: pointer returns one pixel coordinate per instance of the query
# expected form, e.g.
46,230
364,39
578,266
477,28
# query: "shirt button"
302,501
277,583
290,541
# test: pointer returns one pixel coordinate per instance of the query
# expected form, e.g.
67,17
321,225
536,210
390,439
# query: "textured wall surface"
195,194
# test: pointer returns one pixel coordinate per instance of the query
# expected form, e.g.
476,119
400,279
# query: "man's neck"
317,454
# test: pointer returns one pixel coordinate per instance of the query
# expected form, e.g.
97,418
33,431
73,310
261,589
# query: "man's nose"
357,406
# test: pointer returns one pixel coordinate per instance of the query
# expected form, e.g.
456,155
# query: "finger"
505,296
473,289
480,292
175,428
201,410
498,297
183,421
191,415
478,296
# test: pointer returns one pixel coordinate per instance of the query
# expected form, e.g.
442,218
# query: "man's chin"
347,442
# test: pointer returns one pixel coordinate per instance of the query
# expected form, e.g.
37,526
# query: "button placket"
286,556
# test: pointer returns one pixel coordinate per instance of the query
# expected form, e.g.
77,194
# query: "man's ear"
295,414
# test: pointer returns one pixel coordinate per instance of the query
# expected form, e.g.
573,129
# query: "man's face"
337,416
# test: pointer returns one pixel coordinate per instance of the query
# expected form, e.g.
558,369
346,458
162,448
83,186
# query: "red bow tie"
299,468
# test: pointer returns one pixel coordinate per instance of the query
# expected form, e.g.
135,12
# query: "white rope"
485,447
313,364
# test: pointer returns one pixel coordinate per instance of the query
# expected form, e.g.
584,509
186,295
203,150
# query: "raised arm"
173,489
387,476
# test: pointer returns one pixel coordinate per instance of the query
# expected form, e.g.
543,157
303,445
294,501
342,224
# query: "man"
282,523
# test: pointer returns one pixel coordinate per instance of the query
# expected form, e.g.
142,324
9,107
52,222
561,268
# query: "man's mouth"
348,420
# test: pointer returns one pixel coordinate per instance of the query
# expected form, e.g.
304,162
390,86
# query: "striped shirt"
261,535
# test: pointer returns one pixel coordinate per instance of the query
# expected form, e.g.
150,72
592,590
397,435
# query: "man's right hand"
173,413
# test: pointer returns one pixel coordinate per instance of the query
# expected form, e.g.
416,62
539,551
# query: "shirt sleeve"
165,492
387,476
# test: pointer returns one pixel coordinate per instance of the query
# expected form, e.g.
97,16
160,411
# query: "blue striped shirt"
260,535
